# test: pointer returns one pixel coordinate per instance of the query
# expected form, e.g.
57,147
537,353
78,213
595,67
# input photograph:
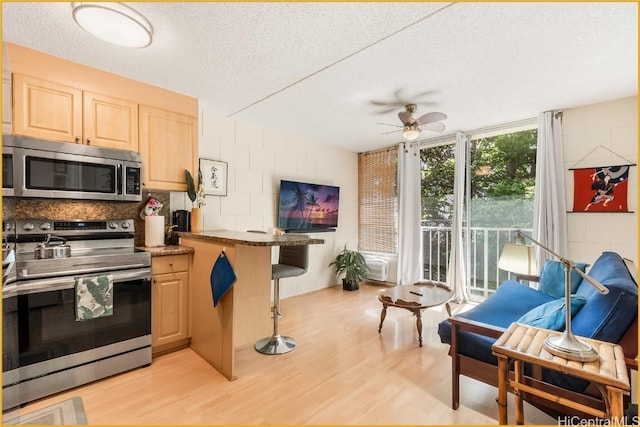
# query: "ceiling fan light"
115,23
411,132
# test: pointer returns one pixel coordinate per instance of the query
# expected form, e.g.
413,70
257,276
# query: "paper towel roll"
154,230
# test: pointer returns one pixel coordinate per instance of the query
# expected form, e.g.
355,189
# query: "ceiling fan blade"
387,124
425,93
430,118
405,117
392,131
387,110
386,103
434,127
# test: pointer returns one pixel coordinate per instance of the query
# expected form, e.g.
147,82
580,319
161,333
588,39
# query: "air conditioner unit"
378,269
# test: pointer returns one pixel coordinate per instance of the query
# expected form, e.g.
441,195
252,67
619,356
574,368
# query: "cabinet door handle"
88,141
77,139
155,280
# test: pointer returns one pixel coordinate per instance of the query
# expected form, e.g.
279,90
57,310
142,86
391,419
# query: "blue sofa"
611,317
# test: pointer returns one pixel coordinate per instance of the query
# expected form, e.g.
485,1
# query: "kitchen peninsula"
243,315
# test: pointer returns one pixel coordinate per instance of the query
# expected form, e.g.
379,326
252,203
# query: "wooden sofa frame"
488,373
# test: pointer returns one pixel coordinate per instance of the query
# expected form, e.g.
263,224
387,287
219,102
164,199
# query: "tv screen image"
308,207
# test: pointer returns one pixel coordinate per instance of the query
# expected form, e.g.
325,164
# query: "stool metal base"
275,344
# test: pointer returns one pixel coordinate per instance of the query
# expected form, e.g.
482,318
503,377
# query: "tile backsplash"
23,208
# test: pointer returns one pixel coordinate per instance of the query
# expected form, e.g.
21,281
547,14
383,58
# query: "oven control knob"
45,226
113,225
125,225
27,226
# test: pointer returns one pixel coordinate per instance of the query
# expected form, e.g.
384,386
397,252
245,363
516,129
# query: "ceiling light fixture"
114,23
411,132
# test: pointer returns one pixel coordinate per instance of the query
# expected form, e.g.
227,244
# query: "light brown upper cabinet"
168,144
49,110
110,122
7,126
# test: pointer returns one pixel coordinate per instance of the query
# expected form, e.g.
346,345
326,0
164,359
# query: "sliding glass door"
500,177
500,201
438,162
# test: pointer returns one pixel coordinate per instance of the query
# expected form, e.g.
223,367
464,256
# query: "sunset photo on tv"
305,206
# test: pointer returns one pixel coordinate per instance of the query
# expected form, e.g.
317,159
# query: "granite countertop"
252,239
166,250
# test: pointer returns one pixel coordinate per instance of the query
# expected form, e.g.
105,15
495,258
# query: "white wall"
613,125
258,158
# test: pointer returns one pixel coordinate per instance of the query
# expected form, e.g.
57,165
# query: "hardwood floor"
342,372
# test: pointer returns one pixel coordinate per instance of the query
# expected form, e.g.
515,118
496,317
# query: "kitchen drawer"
169,264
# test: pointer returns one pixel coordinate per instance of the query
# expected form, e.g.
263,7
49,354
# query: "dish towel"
222,277
94,297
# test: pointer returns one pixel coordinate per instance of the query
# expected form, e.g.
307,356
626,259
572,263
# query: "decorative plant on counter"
196,197
354,267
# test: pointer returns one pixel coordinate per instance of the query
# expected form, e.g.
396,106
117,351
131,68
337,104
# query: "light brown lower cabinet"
169,303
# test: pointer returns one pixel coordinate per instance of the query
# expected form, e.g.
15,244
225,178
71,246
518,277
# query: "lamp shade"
411,132
518,259
115,23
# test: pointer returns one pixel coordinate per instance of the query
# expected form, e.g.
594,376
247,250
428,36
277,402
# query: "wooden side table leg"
518,367
383,314
616,405
503,380
419,325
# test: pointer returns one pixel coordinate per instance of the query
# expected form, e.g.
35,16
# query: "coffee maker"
182,219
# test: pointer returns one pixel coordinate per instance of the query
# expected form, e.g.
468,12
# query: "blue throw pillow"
552,315
552,278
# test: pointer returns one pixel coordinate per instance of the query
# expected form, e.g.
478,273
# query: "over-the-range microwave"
39,168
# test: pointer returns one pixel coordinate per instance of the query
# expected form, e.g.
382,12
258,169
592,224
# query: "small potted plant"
354,267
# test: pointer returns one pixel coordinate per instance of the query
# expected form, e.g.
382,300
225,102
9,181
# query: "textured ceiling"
312,69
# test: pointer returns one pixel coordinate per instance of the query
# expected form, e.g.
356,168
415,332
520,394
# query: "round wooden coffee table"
414,298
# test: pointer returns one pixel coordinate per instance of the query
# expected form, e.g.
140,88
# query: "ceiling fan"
411,127
399,99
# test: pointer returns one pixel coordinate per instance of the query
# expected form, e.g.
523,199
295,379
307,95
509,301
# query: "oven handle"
68,282
124,276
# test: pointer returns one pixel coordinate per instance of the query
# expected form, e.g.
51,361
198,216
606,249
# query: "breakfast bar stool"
292,261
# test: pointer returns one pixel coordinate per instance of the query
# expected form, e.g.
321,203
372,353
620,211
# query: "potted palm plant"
354,267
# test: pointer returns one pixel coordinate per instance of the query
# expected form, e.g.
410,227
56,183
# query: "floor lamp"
566,345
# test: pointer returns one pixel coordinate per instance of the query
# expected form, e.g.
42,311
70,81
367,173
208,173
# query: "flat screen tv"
305,207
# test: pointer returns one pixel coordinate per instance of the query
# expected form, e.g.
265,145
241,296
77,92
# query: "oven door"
49,339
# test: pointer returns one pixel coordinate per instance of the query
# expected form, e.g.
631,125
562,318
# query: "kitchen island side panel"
242,315
252,294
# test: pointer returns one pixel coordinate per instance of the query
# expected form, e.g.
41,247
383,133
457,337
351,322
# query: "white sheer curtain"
456,274
550,211
409,206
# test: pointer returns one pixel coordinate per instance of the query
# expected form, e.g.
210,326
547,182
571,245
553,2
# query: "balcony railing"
482,253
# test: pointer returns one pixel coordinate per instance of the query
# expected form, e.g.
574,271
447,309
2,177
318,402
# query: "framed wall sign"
214,177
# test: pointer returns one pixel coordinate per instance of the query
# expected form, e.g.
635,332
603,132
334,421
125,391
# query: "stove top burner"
96,246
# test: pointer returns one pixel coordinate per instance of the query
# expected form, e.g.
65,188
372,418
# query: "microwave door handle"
119,180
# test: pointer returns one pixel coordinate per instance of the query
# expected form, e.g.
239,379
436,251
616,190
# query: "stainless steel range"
45,348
